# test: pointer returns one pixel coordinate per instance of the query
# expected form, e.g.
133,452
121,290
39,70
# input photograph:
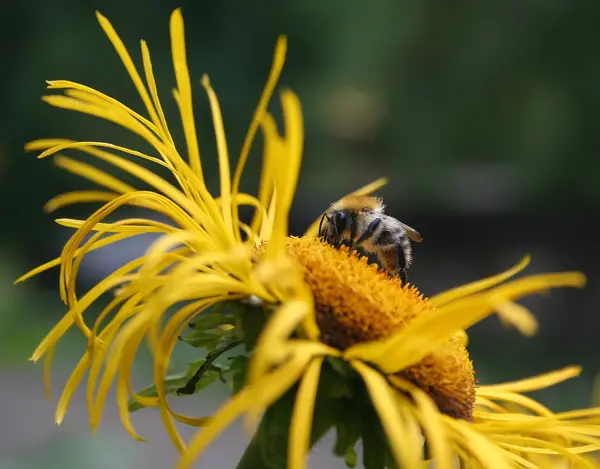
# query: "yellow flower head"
311,314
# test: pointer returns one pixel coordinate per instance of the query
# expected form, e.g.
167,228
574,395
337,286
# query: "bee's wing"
412,233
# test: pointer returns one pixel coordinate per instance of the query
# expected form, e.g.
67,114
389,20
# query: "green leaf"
348,431
227,343
173,383
207,339
212,319
351,458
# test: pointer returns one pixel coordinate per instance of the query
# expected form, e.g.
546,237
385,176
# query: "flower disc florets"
357,302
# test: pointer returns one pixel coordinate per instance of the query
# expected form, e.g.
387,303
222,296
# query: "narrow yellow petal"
313,229
164,129
93,174
468,289
251,399
260,212
117,277
273,385
158,183
229,412
129,65
127,310
534,383
279,327
517,316
123,404
486,454
70,388
114,115
50,340
428,332
266,228
431,421
69,265
288,170
301,425
519,399
489,404
131,336
101,97
55,262
521,462
165,345
523,444
184,89
77,197
272,151
382,397
259,113
127,225
224,172
89,147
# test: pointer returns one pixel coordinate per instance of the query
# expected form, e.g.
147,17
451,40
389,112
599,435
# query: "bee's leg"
404,252
321,232
402,275
394,259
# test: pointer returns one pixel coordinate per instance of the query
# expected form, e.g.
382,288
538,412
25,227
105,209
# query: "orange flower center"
356,302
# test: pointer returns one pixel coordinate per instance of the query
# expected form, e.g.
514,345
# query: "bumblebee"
360,221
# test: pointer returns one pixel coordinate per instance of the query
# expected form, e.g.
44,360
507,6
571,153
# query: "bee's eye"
339,218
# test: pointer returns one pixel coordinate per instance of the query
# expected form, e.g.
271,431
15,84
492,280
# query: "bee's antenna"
321,224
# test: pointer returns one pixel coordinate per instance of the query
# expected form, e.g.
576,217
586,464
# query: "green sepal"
342,367
390,460
176,381
374,442
273,432
249,323
268,448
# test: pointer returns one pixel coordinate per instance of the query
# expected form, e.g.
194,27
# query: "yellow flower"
328,311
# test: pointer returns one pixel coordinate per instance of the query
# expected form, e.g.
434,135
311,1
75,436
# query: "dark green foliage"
176,381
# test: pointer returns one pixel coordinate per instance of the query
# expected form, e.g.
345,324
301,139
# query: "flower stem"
256,457
253,456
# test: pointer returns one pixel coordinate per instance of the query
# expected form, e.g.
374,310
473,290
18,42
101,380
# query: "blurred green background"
483,115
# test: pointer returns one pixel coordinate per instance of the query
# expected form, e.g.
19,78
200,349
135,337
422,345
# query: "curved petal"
465,290
301,425
405,448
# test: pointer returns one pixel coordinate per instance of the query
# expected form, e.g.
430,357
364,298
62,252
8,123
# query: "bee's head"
339,218
333,225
